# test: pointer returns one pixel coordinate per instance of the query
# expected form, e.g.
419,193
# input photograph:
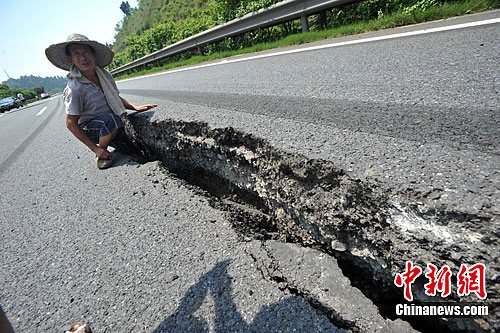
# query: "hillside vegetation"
51,85
32,86
155,24
6,91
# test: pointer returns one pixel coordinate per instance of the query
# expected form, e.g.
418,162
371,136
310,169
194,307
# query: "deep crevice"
273,194
334,317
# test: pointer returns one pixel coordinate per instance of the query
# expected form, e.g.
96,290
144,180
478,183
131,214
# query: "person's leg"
111,124
123,144
103,143
102,130
109,130
106,139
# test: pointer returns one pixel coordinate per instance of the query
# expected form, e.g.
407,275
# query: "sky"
28,27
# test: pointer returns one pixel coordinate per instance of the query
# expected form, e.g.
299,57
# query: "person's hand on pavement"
145,107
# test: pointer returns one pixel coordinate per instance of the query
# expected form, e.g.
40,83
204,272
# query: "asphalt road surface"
134,249
128,250
418,112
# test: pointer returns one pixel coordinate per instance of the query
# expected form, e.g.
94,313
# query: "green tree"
125,7
6,91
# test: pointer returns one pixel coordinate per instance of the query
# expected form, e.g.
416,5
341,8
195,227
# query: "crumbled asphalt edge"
270,271
273,194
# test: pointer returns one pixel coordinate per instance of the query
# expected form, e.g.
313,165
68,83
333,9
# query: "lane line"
41,111
319,47
7,163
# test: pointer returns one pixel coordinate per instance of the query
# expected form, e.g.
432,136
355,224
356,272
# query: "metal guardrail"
278,13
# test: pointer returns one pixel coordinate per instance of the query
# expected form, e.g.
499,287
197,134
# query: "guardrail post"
305,23
200,50
322,19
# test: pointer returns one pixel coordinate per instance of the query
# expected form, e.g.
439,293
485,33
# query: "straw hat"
56,53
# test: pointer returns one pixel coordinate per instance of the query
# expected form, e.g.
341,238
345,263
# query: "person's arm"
139,108
72,125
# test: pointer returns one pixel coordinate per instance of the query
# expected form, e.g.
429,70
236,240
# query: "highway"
411,122
19,128
385,109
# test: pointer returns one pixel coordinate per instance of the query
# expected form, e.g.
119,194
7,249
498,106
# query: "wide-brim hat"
56,53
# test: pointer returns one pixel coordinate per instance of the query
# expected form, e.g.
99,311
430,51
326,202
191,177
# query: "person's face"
82,57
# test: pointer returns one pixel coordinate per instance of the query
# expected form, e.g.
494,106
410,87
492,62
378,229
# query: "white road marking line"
41,111
312,48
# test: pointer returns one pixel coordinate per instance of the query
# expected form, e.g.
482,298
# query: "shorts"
101,126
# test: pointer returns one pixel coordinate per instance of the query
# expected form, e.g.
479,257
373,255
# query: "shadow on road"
290,315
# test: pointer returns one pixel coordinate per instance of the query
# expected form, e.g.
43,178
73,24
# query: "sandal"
103,164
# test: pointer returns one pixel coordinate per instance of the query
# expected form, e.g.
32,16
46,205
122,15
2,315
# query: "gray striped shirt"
85,99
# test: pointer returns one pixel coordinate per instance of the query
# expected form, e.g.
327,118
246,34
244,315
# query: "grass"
398,19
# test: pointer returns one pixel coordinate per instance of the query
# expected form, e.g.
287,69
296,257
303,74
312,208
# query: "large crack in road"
275,195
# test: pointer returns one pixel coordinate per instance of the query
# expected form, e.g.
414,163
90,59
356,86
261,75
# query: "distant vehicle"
8,103
44,95
20,97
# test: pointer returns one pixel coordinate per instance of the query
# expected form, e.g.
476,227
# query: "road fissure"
273,194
